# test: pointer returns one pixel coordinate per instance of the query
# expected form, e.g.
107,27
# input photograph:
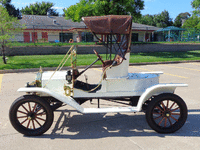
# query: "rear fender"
156,90
65,99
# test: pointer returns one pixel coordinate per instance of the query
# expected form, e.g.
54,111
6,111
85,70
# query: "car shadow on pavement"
94,126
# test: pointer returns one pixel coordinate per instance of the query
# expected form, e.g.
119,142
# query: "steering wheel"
99,56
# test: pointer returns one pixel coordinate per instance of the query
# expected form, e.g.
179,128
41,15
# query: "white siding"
141,37
18,37
75,34
52,36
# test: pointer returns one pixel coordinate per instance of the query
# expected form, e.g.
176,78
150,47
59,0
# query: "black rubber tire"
38,101
157,102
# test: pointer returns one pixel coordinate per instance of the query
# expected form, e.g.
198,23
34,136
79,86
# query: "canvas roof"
111,24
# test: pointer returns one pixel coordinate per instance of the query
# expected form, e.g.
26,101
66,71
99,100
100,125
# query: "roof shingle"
47,22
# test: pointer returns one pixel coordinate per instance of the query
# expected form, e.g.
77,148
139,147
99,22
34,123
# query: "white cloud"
57,7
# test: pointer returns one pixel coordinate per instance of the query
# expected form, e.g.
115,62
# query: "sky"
174,7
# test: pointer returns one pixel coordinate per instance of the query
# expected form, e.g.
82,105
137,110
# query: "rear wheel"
31,115
167,113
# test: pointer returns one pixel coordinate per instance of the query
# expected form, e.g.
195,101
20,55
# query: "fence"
184,36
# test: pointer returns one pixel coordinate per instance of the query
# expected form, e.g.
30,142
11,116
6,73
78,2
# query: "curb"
95,66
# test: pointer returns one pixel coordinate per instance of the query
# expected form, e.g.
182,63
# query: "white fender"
156,90
66,99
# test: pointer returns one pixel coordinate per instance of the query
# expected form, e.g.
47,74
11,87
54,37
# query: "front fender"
65,99
156,90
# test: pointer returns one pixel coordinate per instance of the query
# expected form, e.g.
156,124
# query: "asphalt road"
112,131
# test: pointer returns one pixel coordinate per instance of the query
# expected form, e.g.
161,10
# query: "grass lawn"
35,61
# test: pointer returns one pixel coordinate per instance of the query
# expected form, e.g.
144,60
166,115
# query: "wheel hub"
31,116
166,114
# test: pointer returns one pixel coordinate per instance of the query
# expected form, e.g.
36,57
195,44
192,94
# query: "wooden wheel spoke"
167,103
40,118
25,108
163,106
174,118
24,121
34,107
175,109
170,121
157,117
165,122
159,108
38,123
28,123
22,117
42,113
38,109
175,114
172,105
21,112
33,124
161,121
29,106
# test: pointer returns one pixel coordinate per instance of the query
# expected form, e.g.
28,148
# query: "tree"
10,8
8,25
163,20
159,20
180,18
146,19
104,7
40,9
196,5
194,20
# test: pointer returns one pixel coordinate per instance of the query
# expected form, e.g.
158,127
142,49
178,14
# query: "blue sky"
174,7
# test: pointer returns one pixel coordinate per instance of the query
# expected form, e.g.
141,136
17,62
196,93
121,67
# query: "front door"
26,37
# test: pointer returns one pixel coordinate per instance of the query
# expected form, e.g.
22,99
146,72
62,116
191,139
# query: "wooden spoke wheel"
167,113
31,115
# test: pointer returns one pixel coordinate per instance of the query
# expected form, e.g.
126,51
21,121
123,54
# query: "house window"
65,37
134,37
87,37
26,37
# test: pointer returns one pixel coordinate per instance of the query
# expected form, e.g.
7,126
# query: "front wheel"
31,115
167,113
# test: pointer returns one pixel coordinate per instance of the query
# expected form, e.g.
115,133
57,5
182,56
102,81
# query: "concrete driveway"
112,131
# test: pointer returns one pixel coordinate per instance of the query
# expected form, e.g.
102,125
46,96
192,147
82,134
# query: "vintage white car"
32,114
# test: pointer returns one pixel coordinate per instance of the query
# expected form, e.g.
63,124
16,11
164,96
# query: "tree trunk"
3,53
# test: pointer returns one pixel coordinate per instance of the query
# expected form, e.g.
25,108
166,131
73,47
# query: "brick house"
58,29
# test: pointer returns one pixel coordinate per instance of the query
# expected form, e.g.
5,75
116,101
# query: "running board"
110,110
